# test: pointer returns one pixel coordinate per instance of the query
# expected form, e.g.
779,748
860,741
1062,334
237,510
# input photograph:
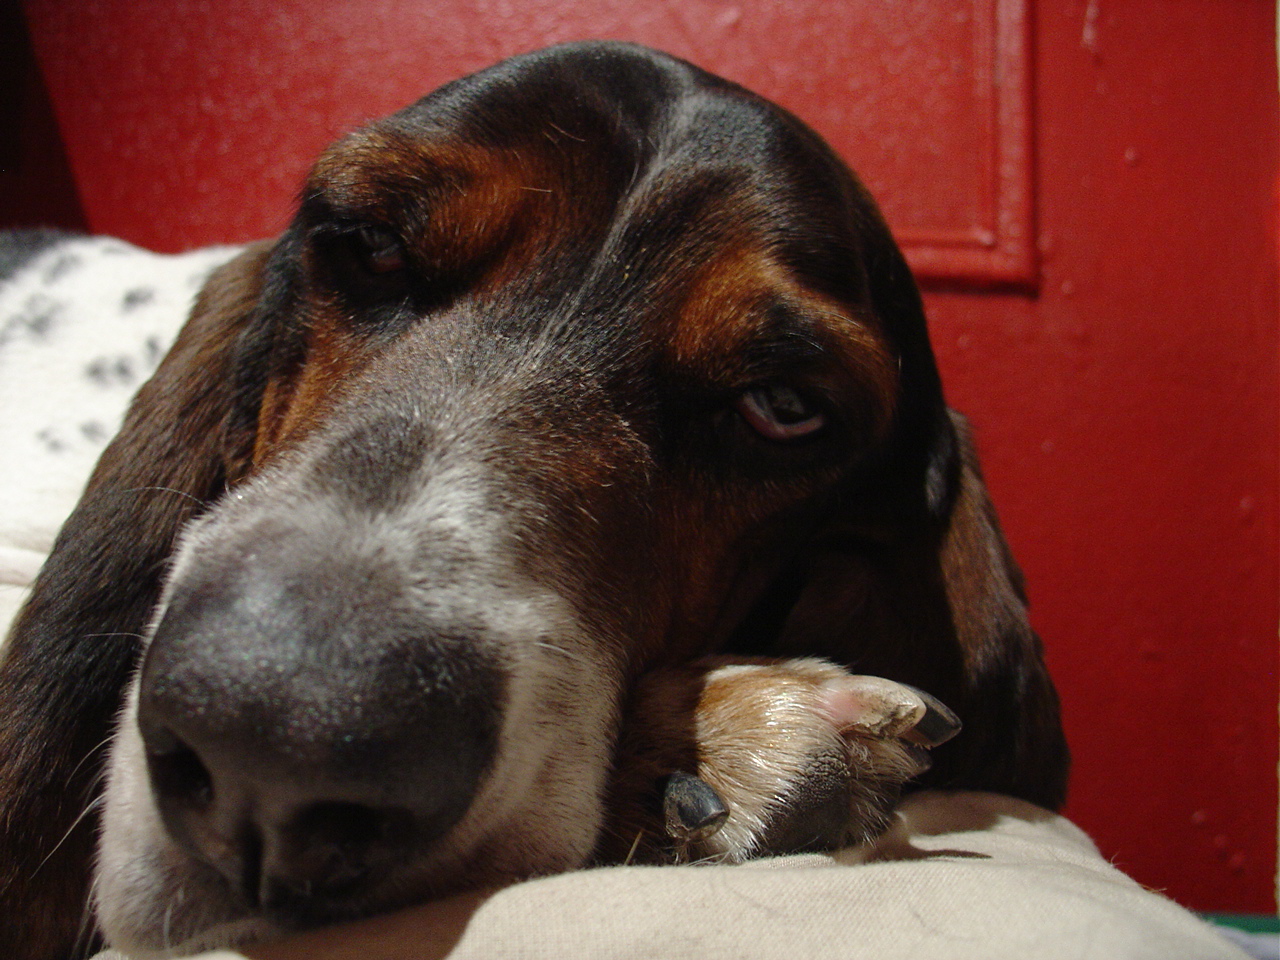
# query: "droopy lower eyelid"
382,249
780,413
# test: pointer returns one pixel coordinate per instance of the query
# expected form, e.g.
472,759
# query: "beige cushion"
962,875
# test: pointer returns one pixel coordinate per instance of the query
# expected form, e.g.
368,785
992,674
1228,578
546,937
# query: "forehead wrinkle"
637,267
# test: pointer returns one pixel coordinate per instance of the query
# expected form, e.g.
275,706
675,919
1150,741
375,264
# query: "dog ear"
937,602
1004,683
907,574
74,644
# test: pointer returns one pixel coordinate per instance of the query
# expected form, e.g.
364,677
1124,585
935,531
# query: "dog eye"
779,413
380,250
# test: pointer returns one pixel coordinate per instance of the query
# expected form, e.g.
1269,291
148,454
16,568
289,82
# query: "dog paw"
731,759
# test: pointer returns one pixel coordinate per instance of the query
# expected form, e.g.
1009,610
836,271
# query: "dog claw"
883,709
938,724
691,808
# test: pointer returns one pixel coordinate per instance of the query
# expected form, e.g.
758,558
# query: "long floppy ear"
908,576
940,605
1018,745
75,642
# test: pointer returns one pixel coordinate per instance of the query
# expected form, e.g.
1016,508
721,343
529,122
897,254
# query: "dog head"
581,365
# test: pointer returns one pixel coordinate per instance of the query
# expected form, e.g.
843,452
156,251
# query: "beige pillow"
961,875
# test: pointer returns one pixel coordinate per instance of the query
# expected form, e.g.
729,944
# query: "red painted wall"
1125,389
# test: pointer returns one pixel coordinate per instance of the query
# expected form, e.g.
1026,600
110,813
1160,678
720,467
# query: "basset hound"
576,459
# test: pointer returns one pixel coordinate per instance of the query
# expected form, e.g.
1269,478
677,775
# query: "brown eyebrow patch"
474,220
469,215
722,322
463,209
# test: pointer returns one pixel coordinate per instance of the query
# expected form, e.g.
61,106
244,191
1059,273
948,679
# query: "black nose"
307,742
290,853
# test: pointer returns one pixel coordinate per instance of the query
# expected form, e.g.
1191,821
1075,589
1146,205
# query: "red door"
1086,188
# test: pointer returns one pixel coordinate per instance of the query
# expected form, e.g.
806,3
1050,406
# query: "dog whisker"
563,652
635,845
88,755
92,805
180,493
87,930
166,925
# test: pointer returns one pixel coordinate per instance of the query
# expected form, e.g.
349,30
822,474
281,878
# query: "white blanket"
82,325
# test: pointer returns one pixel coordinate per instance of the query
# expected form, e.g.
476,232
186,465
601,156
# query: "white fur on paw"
805,754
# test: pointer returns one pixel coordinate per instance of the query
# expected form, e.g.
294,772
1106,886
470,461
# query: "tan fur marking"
721,317
293,407
460,207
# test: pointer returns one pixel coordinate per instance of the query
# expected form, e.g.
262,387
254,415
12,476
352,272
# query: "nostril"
326,852
335,843
347,825
177,773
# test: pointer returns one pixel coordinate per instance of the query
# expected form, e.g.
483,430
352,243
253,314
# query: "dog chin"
224,936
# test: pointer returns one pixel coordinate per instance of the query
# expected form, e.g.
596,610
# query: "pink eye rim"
779,413
381,251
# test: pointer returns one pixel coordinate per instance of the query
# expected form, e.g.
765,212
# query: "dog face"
566,372
496,471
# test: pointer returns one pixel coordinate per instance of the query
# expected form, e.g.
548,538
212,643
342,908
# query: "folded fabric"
961,876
